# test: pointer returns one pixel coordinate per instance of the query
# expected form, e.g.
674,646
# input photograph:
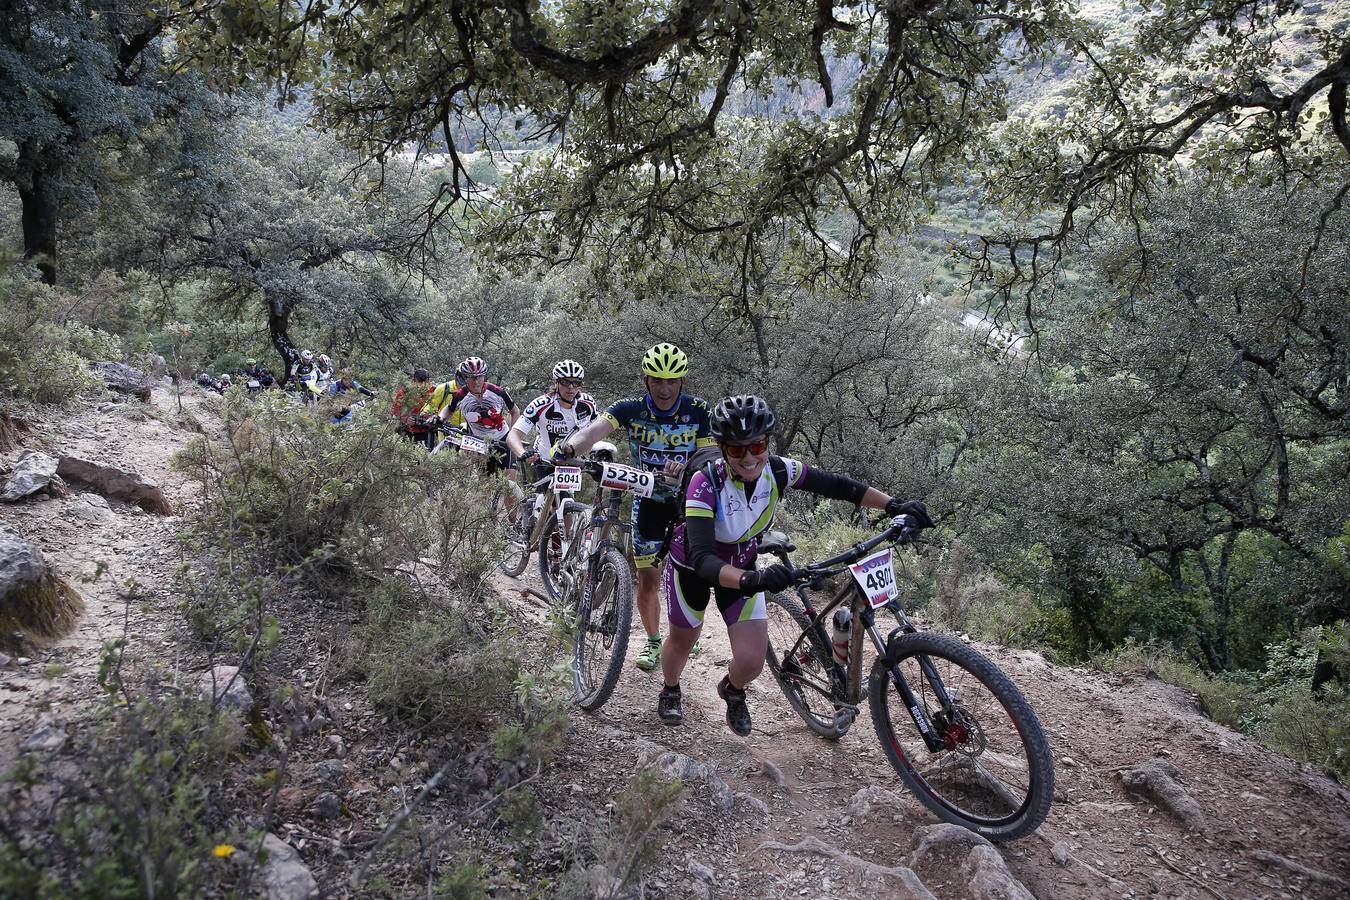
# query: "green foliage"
139,817
629,841
44,354
466,881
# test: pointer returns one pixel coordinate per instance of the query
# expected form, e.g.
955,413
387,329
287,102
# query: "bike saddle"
775,542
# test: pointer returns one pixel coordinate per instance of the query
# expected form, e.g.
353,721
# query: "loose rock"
326,806
676,765
32,472
225,688
124,379
48,737
34,601
872,799
115,483
285,875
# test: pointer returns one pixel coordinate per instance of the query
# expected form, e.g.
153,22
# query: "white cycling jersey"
553,421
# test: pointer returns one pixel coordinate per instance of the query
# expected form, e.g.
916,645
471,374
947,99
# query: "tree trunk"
39,224
278,328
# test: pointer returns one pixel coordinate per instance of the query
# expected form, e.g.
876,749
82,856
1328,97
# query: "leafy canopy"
657,111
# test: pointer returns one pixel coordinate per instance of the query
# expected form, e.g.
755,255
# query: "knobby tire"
787,620
999,780
604,617
550,558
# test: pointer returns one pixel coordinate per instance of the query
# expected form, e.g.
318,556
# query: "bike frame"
862,612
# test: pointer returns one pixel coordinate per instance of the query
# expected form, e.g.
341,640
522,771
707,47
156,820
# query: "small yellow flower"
223,850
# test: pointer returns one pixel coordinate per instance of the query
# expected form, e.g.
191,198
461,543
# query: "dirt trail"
1254,800
82,532
1259,807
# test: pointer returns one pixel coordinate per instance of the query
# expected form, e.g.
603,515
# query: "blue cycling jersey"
655,436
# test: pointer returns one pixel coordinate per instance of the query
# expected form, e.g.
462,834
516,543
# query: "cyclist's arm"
586,438
449,408
515,437
838,487
701,540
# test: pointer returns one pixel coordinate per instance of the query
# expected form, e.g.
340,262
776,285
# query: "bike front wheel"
550,558
803,669
513,516
994,773
603,619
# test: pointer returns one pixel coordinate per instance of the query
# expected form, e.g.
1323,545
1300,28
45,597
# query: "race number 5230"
626,478
875,574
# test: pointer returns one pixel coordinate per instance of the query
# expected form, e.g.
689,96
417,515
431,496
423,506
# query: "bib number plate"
626,478
472,444
566,480
875,574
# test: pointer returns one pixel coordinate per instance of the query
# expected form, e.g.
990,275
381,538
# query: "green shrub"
43,358
140,816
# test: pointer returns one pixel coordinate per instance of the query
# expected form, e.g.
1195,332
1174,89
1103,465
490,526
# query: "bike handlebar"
902,530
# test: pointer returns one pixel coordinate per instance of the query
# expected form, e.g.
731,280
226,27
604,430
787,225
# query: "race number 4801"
875,574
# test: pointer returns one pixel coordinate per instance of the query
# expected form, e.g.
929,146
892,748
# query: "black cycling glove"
898,506
773,579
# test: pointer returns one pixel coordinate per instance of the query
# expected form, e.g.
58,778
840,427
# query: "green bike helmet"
665,361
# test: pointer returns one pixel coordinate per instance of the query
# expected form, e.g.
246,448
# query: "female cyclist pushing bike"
727,506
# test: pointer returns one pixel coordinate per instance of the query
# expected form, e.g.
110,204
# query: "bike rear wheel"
996,775
604,616
804,675
550,558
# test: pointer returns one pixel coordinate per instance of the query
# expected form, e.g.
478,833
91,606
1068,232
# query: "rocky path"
779,814
1269,827
132,552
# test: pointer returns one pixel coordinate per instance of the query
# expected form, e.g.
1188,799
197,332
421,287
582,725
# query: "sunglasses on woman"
569,382
736,451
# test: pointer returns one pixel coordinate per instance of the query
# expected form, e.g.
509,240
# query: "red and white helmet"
473,367
324,360
568,368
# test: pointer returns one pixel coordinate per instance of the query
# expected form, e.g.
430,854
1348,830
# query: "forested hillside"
1075,275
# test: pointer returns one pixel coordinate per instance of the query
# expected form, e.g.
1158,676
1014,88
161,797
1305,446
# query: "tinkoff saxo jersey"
655,436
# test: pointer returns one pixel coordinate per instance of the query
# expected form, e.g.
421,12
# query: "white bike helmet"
568,369
307,355
472,367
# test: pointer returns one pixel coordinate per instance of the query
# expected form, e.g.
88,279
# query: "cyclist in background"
409,400
305,376
489,412
664,426
553,416
727,505
323,372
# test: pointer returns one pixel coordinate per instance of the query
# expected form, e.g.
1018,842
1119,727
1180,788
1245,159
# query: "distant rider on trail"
664,427
489,412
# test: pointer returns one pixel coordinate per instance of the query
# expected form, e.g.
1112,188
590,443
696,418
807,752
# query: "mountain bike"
594,576
959,733
543,521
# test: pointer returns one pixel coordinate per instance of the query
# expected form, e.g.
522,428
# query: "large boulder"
115,483
34,601
123,379
31,473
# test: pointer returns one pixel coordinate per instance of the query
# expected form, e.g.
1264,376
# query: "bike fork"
897,678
